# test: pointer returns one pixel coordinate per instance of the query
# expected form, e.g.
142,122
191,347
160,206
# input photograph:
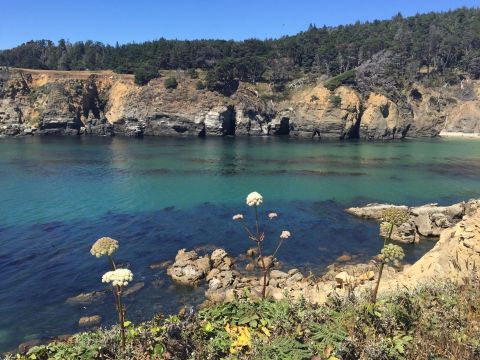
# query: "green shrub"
170,83
145,74
335,100
314,98
348,77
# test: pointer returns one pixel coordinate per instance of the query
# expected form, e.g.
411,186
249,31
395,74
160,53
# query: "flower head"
285,234
395,216
237,217
104,246
254,199
119,277
272,215
392,253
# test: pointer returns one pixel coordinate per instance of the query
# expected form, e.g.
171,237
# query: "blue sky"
124,21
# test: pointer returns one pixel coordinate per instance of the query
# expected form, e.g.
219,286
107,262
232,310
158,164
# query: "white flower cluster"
119,277
104,246
285,234
254,199
238,217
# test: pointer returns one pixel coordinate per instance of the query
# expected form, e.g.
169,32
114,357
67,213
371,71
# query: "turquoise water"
159,195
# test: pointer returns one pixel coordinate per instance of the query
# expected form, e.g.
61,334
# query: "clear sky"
125,21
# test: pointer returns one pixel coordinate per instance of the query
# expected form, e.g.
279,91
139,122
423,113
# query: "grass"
439,321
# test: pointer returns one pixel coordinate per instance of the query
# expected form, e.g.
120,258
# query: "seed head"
395,216
392,253
104,246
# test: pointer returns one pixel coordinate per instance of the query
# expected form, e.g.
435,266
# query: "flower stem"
380,271
121,318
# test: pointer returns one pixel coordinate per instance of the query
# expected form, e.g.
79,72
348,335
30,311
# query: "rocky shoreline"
103,103
225,278
456,226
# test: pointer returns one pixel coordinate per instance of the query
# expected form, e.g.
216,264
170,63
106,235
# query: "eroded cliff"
105,103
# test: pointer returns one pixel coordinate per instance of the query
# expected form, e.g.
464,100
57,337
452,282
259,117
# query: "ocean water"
156,196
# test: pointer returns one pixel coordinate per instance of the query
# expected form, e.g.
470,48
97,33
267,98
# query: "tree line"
440,41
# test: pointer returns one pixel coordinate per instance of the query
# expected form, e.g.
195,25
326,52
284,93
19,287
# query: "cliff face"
105,103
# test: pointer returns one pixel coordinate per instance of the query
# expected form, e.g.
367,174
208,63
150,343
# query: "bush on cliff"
170,83
433,322
346,78
144,74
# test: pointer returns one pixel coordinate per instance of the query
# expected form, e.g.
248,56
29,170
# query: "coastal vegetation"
436,321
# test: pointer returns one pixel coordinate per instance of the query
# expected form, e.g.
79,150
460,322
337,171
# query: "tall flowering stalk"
254,200
119,278
390,253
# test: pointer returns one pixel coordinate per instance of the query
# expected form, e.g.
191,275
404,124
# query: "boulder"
277,274
220,260
189,268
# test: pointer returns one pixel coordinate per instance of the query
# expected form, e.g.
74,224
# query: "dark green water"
156,196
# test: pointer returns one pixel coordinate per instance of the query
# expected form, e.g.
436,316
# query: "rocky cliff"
105,103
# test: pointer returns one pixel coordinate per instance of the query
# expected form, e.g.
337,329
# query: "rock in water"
89,320
189,268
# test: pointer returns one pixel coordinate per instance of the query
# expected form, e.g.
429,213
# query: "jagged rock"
450,259
189,268
89,320
214,272
427,220
221,260
277,274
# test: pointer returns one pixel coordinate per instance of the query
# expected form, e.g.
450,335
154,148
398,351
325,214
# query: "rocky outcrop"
455,257
382,120
424,221
189,268
104,103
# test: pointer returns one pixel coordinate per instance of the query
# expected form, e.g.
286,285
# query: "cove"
157,195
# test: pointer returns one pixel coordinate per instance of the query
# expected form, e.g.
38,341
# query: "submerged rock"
89,320
133,289
85,298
